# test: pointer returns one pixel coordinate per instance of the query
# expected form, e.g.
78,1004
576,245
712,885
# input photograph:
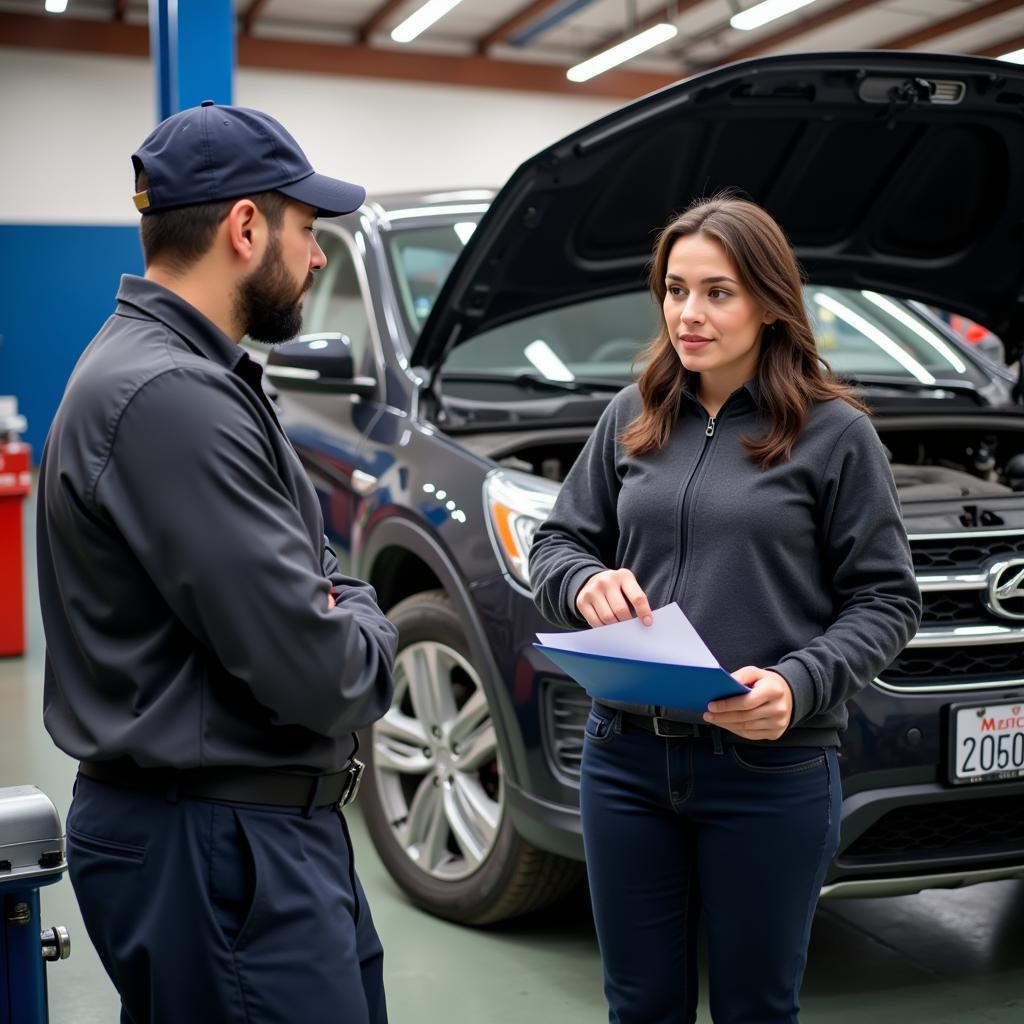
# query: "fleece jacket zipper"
709,435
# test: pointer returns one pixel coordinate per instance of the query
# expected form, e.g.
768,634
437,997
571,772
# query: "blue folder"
645,682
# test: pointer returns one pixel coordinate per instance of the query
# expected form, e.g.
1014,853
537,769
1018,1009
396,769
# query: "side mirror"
317,362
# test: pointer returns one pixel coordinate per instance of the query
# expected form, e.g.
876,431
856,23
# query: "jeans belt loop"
314,792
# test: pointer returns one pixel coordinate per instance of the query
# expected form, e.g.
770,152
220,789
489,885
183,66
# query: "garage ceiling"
528,44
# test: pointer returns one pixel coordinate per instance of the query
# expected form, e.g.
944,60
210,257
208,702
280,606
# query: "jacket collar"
751,388
138,295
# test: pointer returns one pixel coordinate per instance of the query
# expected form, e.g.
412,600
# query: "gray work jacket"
183,568
803,568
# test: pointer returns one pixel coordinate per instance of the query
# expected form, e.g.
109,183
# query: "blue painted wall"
57,287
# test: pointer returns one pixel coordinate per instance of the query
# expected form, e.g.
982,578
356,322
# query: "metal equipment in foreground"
31,856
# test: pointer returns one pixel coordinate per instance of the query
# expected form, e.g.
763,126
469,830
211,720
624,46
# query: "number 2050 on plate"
987,742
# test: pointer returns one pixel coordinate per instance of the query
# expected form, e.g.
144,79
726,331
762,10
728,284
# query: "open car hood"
897,172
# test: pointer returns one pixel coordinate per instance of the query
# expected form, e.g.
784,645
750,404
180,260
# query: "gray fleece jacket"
803,568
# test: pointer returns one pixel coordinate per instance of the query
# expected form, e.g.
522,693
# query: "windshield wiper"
535,380
881,380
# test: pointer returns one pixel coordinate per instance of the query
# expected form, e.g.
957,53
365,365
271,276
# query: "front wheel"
434,798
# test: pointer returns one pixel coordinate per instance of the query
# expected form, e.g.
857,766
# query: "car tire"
433,794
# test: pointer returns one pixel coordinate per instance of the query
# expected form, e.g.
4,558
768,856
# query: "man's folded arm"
191,484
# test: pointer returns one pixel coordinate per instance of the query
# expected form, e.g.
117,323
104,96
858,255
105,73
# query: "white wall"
69,123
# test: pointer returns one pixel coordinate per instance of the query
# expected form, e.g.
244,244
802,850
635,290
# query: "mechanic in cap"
207,663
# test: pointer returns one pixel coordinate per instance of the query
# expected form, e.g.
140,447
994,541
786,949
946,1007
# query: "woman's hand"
612,596
762,714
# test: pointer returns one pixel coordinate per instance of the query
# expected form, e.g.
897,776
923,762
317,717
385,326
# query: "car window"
421,259
335,301
858,332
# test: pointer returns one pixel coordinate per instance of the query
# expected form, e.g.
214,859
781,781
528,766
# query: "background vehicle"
452,370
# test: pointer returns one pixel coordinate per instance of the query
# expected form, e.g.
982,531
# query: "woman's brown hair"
791,375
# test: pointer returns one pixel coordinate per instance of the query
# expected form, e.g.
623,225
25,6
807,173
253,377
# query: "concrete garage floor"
940,956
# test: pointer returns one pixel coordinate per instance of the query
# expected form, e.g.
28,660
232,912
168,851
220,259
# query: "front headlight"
516,503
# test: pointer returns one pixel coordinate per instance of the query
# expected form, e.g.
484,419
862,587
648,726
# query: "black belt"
234,785
668,727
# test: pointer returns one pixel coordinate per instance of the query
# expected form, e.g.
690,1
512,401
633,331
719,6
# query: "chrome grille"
1003,663
964,551
962,644
953,608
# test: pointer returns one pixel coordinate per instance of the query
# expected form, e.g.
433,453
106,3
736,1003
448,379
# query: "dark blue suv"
459,348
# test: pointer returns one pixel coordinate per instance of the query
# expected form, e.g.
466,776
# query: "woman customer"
738,478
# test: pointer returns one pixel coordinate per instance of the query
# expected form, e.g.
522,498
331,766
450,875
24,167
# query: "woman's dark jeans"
676,828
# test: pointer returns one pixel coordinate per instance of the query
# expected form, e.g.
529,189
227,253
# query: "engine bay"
931,462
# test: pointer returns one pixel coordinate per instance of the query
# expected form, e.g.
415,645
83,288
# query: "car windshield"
860,333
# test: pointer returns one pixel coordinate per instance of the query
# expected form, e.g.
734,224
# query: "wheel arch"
400,558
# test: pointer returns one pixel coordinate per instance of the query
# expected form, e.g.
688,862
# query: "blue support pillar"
192,44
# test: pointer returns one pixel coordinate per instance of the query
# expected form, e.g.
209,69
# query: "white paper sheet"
671,640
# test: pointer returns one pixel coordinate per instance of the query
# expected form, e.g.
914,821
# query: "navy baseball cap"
213,152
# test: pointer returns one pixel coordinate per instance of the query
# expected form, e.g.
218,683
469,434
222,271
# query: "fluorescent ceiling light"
56,6
624,51
419,21
1014,56
760,14
464,229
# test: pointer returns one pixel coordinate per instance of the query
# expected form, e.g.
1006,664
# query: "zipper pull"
709,431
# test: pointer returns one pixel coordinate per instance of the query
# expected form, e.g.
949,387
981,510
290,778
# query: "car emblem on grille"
1005,593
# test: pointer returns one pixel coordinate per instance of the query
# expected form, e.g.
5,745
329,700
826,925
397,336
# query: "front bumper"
548,826
901,839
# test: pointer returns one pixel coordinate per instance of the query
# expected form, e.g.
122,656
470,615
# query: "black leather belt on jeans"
667,727
234,785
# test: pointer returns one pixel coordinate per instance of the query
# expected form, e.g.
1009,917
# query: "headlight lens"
516,504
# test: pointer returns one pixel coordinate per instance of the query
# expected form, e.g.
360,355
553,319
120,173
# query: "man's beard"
266,303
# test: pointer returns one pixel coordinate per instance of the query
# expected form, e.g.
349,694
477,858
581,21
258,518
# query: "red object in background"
968,329
15,482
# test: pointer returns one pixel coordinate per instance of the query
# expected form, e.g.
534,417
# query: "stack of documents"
666,664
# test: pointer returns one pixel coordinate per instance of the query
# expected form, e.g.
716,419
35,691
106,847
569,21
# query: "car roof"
434,201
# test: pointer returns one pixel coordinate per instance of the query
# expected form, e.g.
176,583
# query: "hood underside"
897,172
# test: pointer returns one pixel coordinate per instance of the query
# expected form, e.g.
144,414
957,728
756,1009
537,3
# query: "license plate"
987,742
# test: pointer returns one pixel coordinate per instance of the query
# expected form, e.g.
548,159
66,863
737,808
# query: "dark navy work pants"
215,913
679,828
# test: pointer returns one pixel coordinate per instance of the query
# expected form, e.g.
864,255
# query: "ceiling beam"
510,26
444,69
781,36
42,32
643,24
254,10
911,40
120,9
998,49
378,18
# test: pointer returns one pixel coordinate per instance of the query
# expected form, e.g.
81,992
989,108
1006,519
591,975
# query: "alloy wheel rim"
435,763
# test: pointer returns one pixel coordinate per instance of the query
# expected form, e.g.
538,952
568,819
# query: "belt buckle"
351,787
675,730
